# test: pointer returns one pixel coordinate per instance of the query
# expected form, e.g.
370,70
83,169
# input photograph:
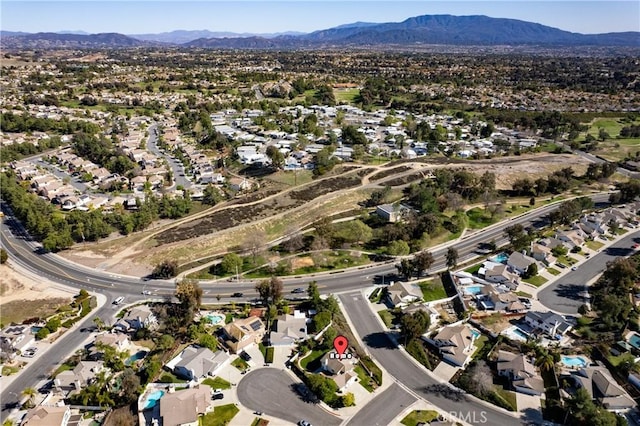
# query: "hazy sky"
265,16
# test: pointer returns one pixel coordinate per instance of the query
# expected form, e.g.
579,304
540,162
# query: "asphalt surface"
28,255
567,294
393,401
272,391
176,166
399,365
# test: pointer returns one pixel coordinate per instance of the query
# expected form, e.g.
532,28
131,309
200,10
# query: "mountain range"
420,30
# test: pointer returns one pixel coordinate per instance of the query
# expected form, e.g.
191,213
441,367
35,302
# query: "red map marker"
340,344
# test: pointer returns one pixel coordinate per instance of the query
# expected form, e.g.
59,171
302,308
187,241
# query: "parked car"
245,356
238,294
298,290
574,268
216,396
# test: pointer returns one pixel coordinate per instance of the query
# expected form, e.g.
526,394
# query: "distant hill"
75,41
185,36
419,30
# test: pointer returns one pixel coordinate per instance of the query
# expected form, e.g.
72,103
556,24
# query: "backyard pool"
634,341
135,357
153,399
500,258
216,319
574,361
514,333
472,290
475,333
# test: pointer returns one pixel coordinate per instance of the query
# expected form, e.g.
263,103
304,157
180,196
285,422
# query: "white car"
574,268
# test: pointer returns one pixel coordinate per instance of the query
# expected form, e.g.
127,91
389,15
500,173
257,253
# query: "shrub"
42,333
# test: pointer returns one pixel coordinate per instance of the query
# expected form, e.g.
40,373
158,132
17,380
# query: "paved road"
28,255
176,166
271,391
566,294
75,182
403,369
394,400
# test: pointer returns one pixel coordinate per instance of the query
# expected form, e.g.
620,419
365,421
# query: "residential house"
340,370
520,262
550,323
551,242
602,387
184,407
289,329
542,254
14,338
82,374
140,317
499,273
491,298
119,341
403,293
571,239
393,212
44,415
455,343
242,333
521,371
194,363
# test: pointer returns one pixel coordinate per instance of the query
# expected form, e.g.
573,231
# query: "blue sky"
266,16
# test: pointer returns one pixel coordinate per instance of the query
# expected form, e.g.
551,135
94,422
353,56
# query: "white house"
521,371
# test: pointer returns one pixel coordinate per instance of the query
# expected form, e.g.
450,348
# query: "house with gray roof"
521,371
184,407
602,387
195,363
402,293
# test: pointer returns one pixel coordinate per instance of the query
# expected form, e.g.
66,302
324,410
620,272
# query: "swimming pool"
135,357
634,341
216,319
514,333
500,258
475,333
472,290
153,399
573,361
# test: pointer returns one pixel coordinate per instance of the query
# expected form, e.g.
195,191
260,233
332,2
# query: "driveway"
565,295
271,391
530,406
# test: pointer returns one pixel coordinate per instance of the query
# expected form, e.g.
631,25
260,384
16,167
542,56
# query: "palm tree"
31,394
545,361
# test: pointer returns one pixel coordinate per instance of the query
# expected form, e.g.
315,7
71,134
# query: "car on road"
304,423
119,300
237,294
298,290
146,292
635,246
29,352
574,268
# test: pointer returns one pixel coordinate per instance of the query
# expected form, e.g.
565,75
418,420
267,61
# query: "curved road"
29,255
567,294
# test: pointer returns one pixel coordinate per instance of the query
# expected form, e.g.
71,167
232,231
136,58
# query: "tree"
276,157
166,269
4,256
482,377
451,258
405,268
517,236
211,195
321,320
254,242
264,289
348,400
30,393
314,294
422,262
531,271
130,385
231,264
166,341
398,248
414,325
189,293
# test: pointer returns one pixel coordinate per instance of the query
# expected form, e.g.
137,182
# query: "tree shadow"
531,417
445,391
380,340
570,291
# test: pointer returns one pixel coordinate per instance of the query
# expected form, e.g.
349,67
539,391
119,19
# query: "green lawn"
364,379
386,316
221,415
553,271
536,281
217,383
479,219
523,294
419,416
291,178
474,269
268,358
567,260
170,378
376,295
432,290
240,364
508,396
346,95
9,370
313,356
594,245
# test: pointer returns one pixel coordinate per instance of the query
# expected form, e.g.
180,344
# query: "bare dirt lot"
24,297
